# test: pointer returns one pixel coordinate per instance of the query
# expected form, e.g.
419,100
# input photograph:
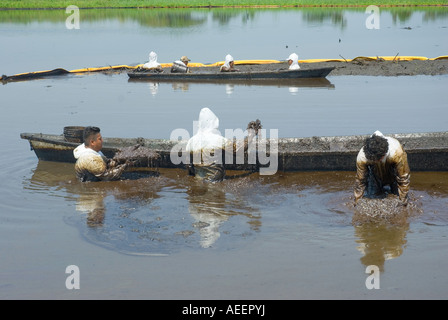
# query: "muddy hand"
129,163
254,127
403,203
112,163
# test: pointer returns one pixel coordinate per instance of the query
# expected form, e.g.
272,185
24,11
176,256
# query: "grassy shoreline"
85,4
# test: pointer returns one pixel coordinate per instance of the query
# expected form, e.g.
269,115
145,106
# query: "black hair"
89,132
375,147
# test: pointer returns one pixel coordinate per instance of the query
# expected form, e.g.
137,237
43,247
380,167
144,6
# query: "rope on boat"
60,71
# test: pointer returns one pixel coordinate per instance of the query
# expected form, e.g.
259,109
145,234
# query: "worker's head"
185,60
92,138
292,58
152,56
375,147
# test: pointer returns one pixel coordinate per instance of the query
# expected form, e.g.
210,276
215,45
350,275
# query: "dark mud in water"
387,68
136,155
361,67
173,212
357,67
388,210
287,236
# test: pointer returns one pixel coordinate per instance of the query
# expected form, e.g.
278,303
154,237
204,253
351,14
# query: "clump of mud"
255,125
138,156
389,209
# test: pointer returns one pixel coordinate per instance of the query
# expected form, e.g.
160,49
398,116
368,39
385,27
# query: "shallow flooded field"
293,235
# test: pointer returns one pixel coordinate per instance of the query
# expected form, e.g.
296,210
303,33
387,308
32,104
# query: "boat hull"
426,152
234,76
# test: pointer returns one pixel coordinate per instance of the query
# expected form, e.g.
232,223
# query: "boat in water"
426,151
214,75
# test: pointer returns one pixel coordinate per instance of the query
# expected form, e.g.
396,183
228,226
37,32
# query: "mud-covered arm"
100,169
253,129
360,179
245,144
113,173
403,176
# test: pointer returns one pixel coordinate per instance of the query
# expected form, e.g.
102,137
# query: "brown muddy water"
292,235
287,236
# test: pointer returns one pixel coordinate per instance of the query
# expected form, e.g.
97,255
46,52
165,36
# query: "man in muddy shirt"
382,162
91,164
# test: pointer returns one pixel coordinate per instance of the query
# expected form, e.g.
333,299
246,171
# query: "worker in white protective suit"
208,146
293,61
229,64
91,164
152,64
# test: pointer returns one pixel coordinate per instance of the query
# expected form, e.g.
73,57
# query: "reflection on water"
169,212
181,86
93,206
153,88
147,215
381,226
303,215
229,88
153,18
319,16
125,36
186,18
402,15
224,16
293,86
210,208
379,242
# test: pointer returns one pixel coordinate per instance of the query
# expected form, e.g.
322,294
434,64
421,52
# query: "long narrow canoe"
426,151
249,75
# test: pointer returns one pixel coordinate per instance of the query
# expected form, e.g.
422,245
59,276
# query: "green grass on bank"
52,4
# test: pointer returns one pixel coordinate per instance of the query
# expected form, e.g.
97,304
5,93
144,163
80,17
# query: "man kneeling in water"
91,163
382,163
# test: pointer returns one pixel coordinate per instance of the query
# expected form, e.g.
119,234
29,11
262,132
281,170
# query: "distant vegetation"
53,4
188,17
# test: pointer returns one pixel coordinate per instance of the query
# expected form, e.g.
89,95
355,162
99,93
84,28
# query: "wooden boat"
426,151
220,76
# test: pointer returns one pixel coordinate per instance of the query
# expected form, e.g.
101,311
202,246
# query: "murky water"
166,236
